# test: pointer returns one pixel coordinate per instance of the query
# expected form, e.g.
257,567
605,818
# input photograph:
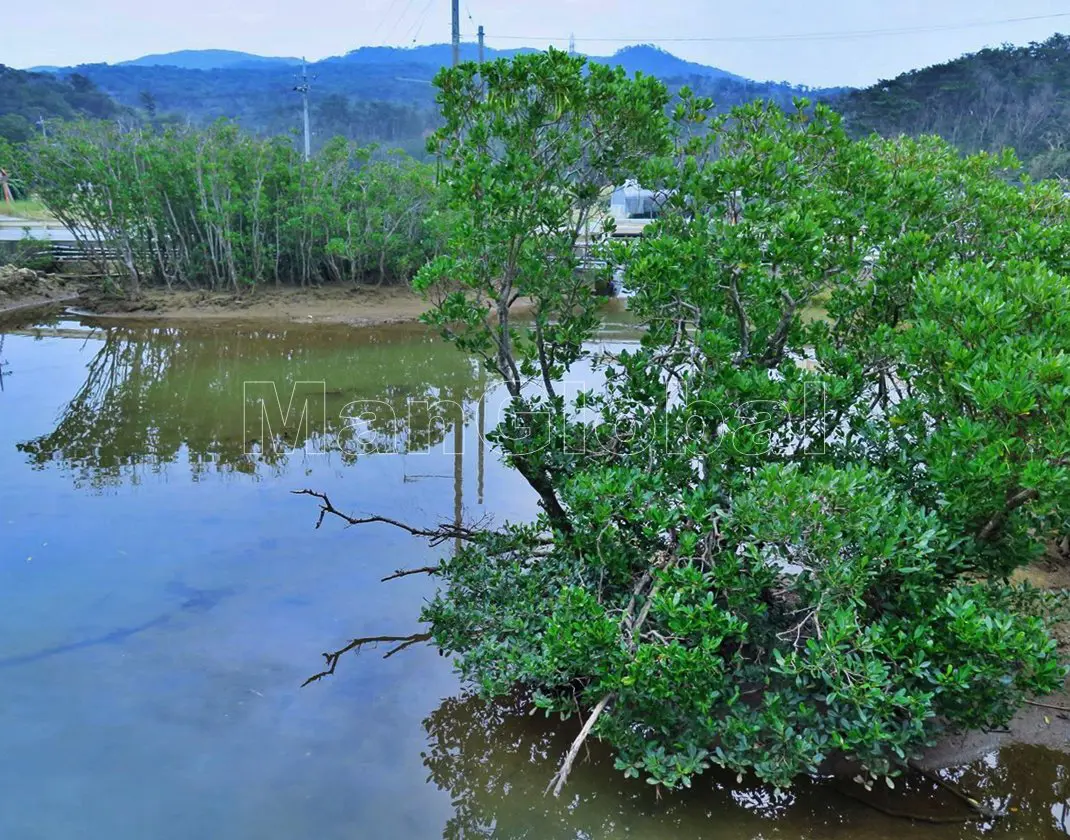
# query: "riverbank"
22,288
353,305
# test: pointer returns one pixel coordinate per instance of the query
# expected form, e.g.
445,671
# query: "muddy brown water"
163,596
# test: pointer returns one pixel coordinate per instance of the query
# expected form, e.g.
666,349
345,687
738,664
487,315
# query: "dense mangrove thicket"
219,209
770,539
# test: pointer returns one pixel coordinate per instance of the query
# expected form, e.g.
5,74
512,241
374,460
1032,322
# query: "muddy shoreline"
22,289
355,306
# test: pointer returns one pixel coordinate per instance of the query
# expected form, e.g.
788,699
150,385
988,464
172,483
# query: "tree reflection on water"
495,760
157,395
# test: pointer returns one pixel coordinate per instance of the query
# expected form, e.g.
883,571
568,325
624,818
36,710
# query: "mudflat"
329,304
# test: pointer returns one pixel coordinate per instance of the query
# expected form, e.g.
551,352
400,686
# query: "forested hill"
373,94
1007,96
1010,96
27,97
209,59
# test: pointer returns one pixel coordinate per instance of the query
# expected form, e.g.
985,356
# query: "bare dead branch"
357,644
400,573
415,639
1047,705
444,532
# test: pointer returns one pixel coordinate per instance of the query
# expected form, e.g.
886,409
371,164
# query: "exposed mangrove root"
357,644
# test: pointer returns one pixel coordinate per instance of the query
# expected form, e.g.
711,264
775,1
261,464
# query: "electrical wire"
404,14
382,19
423,20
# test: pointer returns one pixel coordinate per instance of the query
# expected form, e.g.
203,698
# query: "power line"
404,14
805,36
420,23
382,20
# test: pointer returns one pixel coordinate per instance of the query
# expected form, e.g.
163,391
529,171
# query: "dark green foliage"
731,92
220,209
1009,96
27,97
771,537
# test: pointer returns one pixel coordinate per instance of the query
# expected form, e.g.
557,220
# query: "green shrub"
768,538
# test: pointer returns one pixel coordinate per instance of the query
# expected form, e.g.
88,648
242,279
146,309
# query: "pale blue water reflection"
154,629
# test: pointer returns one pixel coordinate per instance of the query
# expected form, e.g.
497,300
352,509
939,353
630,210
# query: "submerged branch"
558,781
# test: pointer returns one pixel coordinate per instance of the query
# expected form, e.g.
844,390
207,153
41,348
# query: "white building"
631,201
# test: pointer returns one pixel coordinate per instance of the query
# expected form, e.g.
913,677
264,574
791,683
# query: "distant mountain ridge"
370,94
643,58
207,60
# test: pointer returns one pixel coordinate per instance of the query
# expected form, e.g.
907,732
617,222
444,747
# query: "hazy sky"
74,31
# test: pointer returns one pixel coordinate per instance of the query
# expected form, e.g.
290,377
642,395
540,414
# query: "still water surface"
163,596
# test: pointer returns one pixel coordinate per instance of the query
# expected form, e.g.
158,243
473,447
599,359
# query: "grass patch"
26,208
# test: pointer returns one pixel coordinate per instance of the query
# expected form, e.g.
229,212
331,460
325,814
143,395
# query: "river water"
163,595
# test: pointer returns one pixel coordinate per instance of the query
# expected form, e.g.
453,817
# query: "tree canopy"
997,98
220,209
27,97
783,528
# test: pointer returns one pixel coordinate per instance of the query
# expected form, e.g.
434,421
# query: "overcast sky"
68,32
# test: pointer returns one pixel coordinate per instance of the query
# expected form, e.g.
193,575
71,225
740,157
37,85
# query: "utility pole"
456,32
481,43
303,87
44,126
572,44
